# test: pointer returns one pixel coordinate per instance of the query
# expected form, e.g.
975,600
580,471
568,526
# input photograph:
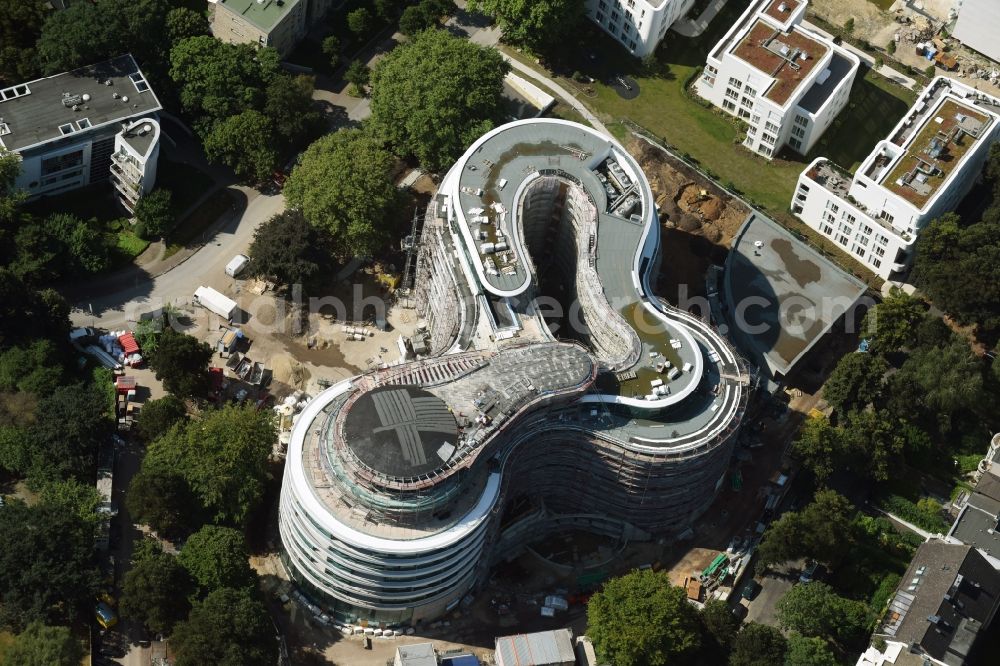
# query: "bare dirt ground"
699,221
908,26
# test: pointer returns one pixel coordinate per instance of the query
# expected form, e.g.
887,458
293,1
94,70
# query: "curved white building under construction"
558,391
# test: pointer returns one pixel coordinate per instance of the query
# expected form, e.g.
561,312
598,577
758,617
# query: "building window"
866,229
887,216
882,240
765,151
631,3
755,119
62,162
751,130
795,143
626,29
877,263
832,207
851,220
747,102
771,127
860,251
632,45
744,113
614,17
842,239
736,83
732,94
728,106
799,132
600,17
826,229
843,227
768,139
750,92
801,120
879,251
862,240
602,5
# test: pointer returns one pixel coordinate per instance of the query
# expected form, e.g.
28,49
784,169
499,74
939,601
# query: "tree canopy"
669,629
435,95
758,645
181,363
215,467
153,214
289,249
43,645
20,27
808,651
538,24
342,185
821,530
46,564
158,416
155,590
814,609
890,326
244,142
217,557
857,381
228,628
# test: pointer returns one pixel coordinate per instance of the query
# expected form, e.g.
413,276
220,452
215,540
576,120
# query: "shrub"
891,48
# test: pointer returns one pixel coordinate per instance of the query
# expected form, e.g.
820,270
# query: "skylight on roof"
4,129
138,81
14,92
67,129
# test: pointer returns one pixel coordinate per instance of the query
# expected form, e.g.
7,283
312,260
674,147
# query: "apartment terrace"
832,178
787,57
935,151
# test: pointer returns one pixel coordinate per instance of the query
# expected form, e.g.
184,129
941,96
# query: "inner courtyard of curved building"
558,391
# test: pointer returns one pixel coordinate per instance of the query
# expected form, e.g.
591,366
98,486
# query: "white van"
237,264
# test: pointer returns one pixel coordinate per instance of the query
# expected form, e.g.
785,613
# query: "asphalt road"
125,302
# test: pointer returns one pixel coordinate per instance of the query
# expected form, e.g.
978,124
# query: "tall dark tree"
47,571
154,214
245,143
229,628
435,95
289,105
183,22
816,610
155,590
20,27
27,314
181,363
289,249
67,433
856,381
758,645
821,530
158,416
891,325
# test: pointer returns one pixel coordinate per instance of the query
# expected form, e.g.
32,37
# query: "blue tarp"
461,660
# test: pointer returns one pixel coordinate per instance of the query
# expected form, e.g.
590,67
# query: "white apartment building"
921,171
68,128
786,82
638,24
133,164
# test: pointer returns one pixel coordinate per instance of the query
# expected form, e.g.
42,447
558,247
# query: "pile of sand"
289,371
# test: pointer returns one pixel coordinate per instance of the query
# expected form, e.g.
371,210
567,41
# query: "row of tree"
919,395
205,598
641,619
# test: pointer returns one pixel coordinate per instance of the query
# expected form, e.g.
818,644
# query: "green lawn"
708,136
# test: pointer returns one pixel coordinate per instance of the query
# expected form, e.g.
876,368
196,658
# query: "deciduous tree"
856,381
217,557
183,22
342,185
808,651
891,325
153,214
435,95
245,143
43,645
229,628
669,631
814,609
181,363
758,645
538,24
288,249
158,416
155,590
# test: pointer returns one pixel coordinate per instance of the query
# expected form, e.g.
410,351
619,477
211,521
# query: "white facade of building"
921,171
785,82
133,164
68,129
639,25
